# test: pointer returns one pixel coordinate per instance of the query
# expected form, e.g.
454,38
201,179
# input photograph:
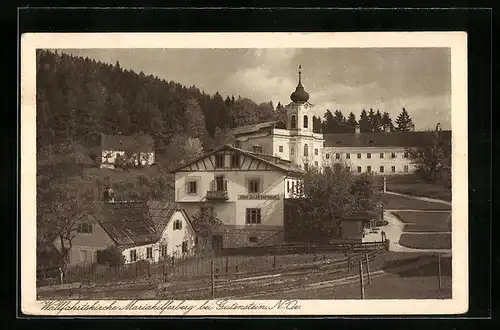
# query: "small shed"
353,224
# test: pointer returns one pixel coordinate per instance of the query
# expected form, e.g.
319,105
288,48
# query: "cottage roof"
120,142
128,223
278,163
379,139
160,212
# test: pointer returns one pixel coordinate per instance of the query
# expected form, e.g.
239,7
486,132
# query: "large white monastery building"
379,152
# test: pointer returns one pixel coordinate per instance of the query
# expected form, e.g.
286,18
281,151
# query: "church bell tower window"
293,122
305,121
306,150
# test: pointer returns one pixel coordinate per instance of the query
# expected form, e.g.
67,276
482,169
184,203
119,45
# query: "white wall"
375,161
146,158
141,252
233,210
173,239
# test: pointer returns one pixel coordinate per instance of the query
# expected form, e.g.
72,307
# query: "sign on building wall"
258,196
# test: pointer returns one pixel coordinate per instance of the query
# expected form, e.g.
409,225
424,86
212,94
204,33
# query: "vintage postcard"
244,174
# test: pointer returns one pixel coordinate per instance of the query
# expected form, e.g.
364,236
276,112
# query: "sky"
347,79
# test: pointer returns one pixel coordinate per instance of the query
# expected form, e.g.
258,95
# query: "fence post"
212,278
361,279
149,269
227,263
274,260
368,269
349,263
439,270
345,249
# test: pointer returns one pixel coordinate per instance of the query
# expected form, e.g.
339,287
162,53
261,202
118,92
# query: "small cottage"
117,150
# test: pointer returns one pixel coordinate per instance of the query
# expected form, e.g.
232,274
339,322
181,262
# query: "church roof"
379,139
300,95
254,127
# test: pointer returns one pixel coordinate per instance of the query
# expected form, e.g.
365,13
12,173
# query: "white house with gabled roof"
245,189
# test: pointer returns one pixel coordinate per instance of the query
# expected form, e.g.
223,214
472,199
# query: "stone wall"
243,236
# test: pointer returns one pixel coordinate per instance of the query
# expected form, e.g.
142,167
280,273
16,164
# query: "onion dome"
300,95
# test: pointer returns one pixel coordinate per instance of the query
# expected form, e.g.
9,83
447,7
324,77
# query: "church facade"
378,152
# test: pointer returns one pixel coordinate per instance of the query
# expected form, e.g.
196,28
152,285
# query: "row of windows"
254,185
220,159
381,169
163,251
368,155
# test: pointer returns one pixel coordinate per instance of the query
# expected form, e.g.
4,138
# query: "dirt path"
394,230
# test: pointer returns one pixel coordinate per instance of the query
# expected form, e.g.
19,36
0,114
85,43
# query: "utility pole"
361,279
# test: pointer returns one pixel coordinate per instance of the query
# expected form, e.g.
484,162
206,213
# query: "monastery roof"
119,142
254,127
379,139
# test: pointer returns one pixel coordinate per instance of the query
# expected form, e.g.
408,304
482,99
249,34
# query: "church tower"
299,111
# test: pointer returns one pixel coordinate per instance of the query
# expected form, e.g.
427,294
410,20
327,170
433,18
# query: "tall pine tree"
404,122
364,122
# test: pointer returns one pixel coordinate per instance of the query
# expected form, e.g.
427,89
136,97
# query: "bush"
111,256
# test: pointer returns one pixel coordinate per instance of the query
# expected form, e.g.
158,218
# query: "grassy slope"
426,241
413,185
396,202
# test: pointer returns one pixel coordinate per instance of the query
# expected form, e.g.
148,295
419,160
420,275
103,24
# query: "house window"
184,247
280,148
305,122
219,160
164,251
337,156
235,160
257,149
293,121
406,169
253,216
253,239
316,152
316,163
347,156
306,167
381,169
359,169
293,186
254,186
177,225
149,253
368,169
381,155
348,168
359,155
133,255
327,156
369,155
393,169
85,228
288,186
192,185
393,155
405,155
292,151
83,256
238,144
306,150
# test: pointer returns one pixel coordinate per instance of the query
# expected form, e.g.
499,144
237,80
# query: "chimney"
108,195
387,128
357,129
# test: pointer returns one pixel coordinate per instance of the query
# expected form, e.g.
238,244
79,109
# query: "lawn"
413,185
396,202
439,218
426,241
426,227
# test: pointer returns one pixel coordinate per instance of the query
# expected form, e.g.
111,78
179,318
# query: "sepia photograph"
234,174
